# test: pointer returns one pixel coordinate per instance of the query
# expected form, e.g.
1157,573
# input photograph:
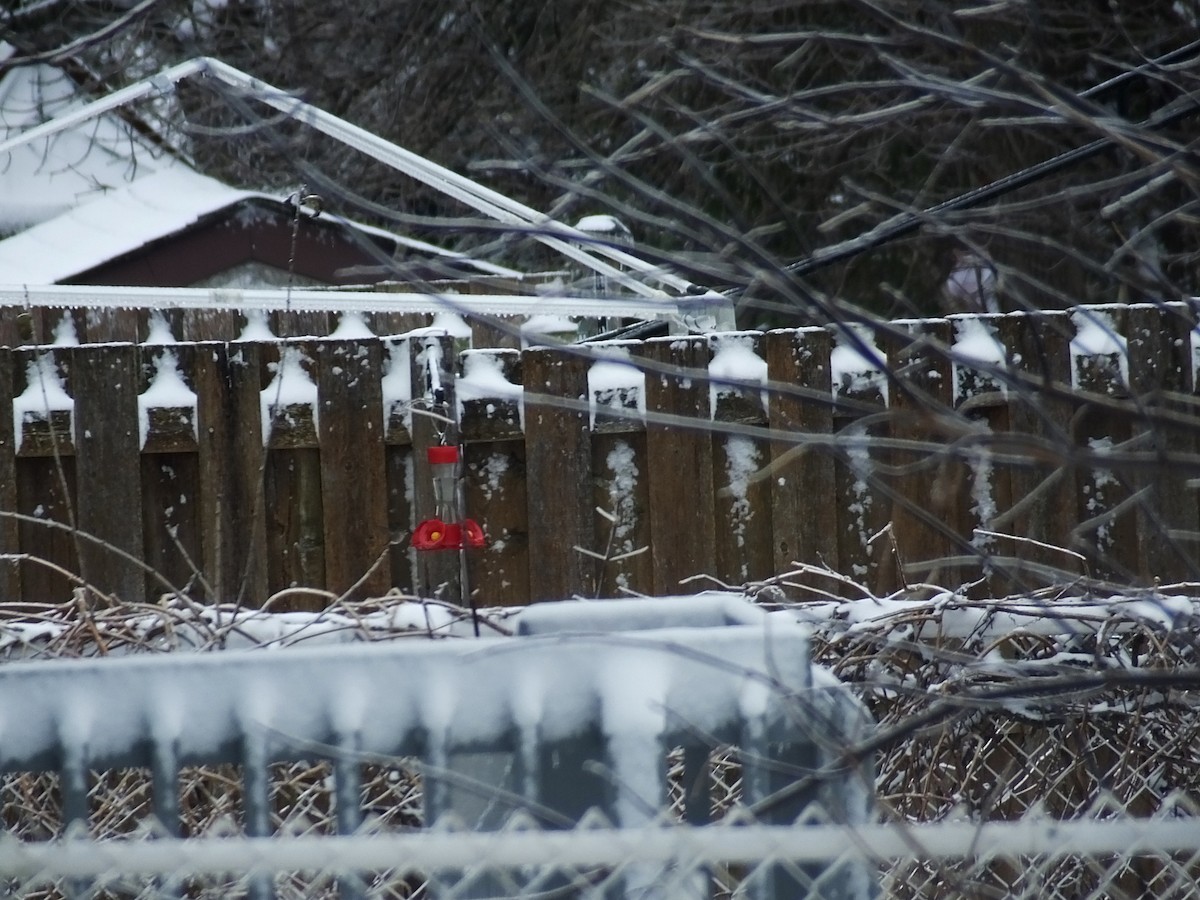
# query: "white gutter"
271,299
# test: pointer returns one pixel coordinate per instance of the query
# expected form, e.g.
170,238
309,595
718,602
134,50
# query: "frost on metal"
44,394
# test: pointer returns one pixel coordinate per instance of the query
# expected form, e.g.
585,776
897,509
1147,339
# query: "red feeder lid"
440,455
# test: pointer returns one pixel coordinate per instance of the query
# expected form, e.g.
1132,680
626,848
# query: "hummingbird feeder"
446,531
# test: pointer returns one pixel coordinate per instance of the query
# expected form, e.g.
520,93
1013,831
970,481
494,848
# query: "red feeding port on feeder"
445,531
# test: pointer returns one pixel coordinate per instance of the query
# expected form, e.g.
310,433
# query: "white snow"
734,367
112,225
291,386
952,616
64,332
858,453
47,177
44,393
1096,336
743,460
602,224
167,390
622,484
613,380
539,329
483,379
983,498
976,345
397,382
160,330
493,470
351,326
229,627
444,322
256,328
850,369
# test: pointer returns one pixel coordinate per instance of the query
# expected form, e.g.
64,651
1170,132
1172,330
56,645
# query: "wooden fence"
236,469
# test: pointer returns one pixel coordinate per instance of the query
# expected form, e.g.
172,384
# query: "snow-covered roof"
46,177
113,224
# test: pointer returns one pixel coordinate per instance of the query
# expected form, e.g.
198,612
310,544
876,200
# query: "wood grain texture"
680,464
105,381
227,379
1161,382
10,570
802,480
353,470
558,454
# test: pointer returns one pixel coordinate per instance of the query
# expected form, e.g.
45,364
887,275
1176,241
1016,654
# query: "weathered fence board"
108,463
10,571
801,407
1052,452
1167,511
927,503
353,478
558,454
226,379
680,462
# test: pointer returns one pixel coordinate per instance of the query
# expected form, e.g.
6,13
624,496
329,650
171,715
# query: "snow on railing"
576,714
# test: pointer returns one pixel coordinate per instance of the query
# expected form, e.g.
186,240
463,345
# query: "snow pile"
615,383
178,624
160,330
1096,340
743,459
734,368
167,390
44,394
257,328
351,327
949,615
444,323
547,330
483,379
290,387
976,347
856,364
397,383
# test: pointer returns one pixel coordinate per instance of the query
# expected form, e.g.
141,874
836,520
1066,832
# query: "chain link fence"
1022,750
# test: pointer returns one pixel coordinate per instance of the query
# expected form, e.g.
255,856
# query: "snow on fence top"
732,456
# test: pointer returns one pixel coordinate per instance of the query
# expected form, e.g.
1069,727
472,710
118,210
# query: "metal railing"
575,722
